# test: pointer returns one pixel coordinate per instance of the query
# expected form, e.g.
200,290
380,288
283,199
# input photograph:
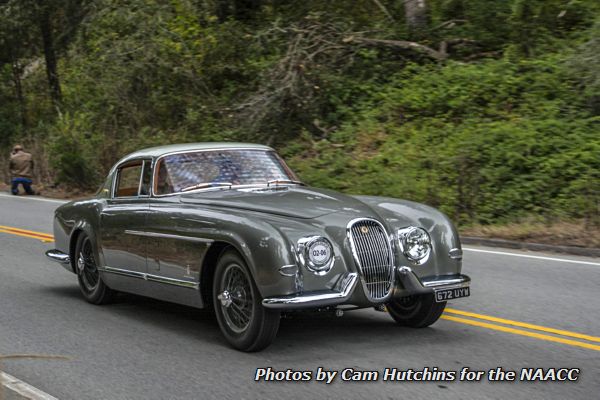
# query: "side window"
128,180
146,178
162,181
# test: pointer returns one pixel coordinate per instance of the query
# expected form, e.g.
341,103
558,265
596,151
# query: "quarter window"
128,180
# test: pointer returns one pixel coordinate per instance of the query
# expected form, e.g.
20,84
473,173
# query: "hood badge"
364,230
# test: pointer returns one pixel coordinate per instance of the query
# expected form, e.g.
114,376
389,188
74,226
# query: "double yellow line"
549,334
44,237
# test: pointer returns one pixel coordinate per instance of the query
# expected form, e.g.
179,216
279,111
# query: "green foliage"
585,67
506,128
73,152
484,142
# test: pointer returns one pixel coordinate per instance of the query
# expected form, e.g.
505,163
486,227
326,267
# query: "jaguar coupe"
230,227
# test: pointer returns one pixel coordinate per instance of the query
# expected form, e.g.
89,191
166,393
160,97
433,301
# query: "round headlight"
316,253
415,243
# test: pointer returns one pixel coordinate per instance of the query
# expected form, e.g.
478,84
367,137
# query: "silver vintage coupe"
229,226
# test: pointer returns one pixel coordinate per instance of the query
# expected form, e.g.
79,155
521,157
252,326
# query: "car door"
176,249
122,223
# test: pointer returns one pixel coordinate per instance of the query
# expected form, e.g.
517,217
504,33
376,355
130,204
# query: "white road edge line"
504,253
8,196
21,388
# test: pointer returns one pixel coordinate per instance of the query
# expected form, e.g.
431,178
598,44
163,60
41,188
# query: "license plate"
451,294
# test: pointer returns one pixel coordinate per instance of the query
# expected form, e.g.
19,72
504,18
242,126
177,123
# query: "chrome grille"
373,254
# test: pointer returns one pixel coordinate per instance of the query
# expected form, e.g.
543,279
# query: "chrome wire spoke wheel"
86,266
236,298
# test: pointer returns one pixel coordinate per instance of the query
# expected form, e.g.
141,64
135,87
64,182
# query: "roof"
183,147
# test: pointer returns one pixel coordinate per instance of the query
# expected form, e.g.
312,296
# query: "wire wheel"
86,266
236,298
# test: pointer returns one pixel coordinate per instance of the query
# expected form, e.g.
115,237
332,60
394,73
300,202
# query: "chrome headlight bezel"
306,247
415,244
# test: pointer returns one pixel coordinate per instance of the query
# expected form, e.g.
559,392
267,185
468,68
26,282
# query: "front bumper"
60,257
340,293
406,283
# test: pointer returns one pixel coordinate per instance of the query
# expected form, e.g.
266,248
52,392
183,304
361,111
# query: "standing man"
21,170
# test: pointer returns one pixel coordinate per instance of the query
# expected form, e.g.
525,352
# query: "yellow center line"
524,325
25,231
27,236
44,237
522,333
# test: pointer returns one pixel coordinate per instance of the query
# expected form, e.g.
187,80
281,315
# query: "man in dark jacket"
21,170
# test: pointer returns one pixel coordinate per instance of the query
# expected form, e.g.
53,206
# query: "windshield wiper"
283,181
206,185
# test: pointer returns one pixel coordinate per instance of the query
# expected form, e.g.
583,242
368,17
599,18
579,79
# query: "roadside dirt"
561,233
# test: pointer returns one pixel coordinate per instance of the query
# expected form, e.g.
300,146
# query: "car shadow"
298,332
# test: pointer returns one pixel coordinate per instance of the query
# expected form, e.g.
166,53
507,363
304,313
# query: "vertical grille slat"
372,253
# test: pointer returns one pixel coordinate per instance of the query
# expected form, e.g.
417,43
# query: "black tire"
245,323
416,311
93,289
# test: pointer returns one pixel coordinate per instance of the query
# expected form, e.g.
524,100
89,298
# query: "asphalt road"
144,349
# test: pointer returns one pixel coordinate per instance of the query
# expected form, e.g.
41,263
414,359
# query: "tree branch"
449,24
384,10
399,44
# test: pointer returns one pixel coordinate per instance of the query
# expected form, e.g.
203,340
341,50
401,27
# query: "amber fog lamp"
316,254
415,244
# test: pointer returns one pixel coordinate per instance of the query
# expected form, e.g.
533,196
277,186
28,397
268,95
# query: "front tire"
416,311
245,323
93,289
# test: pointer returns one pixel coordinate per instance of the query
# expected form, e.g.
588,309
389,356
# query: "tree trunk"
415,12
17,71
50,56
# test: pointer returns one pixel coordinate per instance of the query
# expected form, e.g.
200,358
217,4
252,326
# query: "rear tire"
93,289
416,311
245,323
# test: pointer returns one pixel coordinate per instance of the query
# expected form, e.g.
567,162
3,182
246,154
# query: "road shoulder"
514,244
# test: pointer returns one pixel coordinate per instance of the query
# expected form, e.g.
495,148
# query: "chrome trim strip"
168,236
341,293
124,272
411,282
463,280
171,281
58,256
151,278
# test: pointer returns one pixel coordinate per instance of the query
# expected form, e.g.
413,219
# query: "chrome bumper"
60,257
406,283
410,282
339,294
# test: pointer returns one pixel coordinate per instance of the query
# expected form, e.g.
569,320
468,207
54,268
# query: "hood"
293,201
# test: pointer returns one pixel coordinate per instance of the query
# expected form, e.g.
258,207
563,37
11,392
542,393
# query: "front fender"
69,221
444,236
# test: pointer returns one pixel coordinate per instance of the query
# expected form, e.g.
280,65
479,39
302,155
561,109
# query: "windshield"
219,168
